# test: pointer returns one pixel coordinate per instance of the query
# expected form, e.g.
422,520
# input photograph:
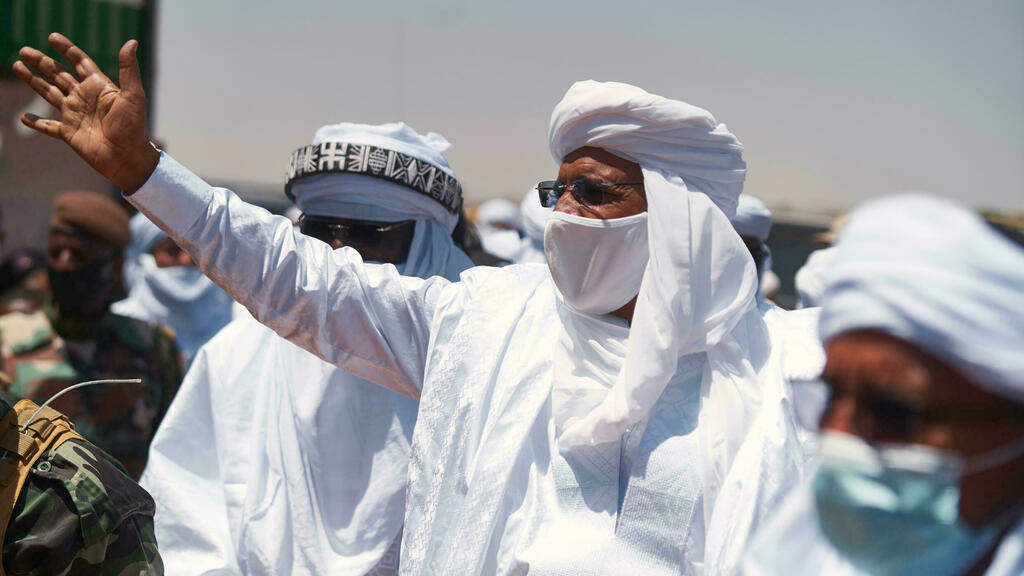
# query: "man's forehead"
598,161
873,359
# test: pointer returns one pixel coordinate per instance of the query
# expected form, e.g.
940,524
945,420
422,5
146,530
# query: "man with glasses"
621,410
287,464
921,460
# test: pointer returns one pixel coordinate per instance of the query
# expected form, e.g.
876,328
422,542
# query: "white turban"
935,274
532,219
810,278
366,197
533,216
700,280
752,218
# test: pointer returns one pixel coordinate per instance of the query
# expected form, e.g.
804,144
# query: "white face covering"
598,265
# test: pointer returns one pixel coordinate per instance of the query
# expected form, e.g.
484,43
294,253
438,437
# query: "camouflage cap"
93,214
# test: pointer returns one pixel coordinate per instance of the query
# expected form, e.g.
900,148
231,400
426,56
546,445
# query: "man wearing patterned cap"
78,338
283,438
623,409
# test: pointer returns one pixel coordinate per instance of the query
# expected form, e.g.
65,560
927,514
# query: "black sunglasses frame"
550,191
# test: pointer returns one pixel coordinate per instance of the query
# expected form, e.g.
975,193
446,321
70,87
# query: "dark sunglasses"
353,231
585,191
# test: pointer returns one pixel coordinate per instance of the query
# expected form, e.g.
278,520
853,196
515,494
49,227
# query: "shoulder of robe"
796,331
526,276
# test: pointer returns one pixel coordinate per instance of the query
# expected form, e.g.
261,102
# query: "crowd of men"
594,381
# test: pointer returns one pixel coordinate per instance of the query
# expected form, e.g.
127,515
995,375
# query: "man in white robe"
271,461
626,413
166,288
921,464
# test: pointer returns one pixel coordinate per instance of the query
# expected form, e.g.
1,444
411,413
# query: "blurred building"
34,167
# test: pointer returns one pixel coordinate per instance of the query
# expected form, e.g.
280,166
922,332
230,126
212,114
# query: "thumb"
129,77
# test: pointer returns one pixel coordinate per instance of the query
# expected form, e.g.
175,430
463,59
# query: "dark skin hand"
886,390
599,165
105,124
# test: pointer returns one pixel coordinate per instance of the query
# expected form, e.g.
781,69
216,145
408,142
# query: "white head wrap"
361,197
932,273
532,219
752,218
497,222
497,211
810,278
700,279
179,297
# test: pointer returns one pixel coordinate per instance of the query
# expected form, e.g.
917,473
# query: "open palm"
103,123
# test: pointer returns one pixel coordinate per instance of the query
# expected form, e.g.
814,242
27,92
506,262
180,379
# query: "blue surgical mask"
894,509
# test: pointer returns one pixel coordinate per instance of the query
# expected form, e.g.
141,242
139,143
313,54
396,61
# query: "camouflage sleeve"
80,514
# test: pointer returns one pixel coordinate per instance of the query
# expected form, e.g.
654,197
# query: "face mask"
894,509
86,291
597,265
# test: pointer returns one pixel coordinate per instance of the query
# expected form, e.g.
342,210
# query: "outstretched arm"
365,318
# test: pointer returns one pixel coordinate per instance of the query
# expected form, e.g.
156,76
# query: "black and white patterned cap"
392,152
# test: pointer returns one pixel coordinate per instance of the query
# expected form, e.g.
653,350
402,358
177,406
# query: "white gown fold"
494,356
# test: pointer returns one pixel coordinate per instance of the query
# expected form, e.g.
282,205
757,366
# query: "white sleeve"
365,318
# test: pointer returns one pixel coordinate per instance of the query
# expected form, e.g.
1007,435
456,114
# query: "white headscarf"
532,218
700,280
932,273
369,198
810,278
179,297
754,220
497,222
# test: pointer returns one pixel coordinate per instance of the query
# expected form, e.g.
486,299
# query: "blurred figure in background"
810,278
497,222
753,222
922,441
166,288
267,448
78,338
532,219
24,282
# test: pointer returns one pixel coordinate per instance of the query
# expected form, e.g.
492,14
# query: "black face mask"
86,291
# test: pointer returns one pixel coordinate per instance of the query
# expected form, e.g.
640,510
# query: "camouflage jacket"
80,514
39,360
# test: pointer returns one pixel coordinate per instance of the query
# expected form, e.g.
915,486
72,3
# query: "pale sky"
834,101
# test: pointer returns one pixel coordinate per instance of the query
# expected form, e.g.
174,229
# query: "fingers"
78,59
129,77
48,68
44,125
49,92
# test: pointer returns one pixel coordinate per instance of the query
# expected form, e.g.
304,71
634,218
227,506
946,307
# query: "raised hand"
104,124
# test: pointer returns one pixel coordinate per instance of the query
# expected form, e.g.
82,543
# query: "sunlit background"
834,101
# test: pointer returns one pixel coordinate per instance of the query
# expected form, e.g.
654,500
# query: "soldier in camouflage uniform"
77,338
78,513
